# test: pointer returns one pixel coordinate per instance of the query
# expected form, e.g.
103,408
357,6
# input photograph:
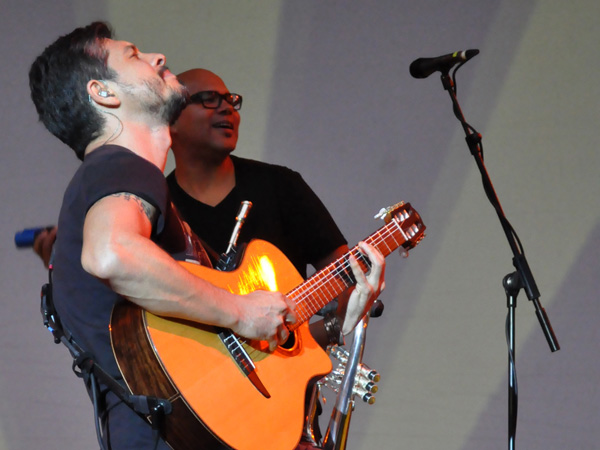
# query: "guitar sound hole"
291,341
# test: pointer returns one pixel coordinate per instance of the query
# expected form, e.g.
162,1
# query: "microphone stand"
522,278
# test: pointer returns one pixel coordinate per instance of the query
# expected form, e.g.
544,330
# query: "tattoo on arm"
145,207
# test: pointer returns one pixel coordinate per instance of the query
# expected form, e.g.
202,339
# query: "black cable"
84,367
488,189
94,389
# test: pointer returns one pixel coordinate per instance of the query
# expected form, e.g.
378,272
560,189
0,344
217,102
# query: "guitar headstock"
409,221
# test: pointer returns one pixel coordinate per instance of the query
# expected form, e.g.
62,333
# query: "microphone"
423,67
26,237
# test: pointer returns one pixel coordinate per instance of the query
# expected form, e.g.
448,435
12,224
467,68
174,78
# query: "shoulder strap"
86,367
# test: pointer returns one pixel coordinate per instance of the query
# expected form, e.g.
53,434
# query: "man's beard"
151,101
170,109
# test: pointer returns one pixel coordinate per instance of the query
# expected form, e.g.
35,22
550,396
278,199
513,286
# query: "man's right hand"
117,248
264,316
43,244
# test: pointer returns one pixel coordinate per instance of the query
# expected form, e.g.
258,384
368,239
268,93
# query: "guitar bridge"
243,360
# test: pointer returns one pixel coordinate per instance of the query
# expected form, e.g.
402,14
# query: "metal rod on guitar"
336,436
240,219
227,261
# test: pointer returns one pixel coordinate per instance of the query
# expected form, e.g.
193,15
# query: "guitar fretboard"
328,283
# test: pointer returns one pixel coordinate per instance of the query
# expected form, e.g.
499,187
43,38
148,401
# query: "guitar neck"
331,281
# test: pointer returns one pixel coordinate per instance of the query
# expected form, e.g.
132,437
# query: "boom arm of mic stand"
519,261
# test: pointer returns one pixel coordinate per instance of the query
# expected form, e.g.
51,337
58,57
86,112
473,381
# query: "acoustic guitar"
229,392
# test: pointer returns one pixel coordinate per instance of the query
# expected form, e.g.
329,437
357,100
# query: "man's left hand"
368,286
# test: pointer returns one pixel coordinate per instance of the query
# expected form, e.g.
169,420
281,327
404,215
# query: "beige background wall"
327,91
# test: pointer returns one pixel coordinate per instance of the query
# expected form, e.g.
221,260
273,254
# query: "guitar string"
330,270
341,266
333,277
331,273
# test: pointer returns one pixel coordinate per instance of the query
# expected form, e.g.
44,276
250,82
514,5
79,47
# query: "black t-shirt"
285,212
83,302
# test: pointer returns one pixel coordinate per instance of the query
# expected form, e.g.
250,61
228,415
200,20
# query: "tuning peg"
383,212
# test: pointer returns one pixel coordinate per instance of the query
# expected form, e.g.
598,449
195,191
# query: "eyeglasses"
213,99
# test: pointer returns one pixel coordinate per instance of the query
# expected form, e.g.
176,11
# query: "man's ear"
99,93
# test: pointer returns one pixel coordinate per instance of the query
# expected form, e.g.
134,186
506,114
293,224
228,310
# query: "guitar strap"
85,367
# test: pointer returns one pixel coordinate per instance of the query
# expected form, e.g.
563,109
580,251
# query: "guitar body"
216,400
213,400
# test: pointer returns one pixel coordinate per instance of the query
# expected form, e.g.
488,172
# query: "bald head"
204,133
197,80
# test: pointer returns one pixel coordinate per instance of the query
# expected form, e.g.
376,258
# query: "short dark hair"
58,82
